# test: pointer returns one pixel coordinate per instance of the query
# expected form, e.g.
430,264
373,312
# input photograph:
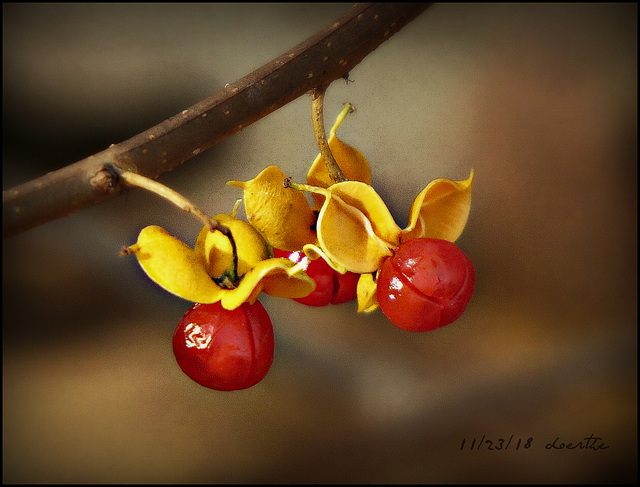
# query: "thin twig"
136,180
317,97
131,179
321,59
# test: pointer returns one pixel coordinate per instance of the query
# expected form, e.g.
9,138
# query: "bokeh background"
540,99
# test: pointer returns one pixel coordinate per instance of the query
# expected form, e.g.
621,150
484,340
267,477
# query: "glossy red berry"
331,286
225,350
426,284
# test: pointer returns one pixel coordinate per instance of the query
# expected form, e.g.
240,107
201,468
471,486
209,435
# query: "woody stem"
317,106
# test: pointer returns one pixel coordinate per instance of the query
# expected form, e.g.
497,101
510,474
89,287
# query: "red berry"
222,349
331,286
426,284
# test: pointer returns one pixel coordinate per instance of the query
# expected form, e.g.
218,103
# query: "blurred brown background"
540,99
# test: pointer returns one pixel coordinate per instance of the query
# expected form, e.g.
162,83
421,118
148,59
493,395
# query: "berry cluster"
426,284
342,245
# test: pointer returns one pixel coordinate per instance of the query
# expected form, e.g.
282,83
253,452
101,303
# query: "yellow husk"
217,251
174,266
282,215
366,292
347,238
440,211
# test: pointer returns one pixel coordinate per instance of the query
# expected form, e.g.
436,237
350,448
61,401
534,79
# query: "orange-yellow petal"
355,229
363,197
366,292
314,252
284,280
215,248
351,161
440,211
174,266
277,276
282,215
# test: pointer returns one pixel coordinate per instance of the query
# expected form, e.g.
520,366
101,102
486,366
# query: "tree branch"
321,59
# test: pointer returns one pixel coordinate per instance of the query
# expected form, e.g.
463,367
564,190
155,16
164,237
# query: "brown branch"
321,59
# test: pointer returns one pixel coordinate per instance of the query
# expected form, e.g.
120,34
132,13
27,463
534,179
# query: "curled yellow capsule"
355,229
217,252
440,210
174,266
282,215
193,274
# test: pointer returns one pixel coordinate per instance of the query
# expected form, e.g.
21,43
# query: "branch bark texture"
328,55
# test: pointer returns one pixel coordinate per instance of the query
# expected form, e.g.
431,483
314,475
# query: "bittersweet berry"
331,286
426,284
224,349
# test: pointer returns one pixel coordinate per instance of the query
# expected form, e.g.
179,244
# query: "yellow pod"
440,211
282,215
366,293
174,266
355,229
216,248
